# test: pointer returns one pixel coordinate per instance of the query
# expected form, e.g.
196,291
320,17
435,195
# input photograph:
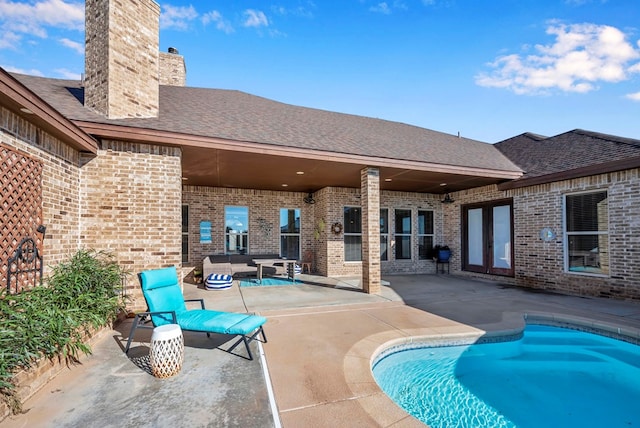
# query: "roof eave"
586,171
176,139
18,98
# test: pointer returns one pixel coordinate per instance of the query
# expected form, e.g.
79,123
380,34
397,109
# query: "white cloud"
69,75
381,8
12,69
216,17
60,14
386,8
9,39
581,56
304,10
255,18
78,47
18,19
177,17
634,96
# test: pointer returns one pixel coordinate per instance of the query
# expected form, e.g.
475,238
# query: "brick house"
132,161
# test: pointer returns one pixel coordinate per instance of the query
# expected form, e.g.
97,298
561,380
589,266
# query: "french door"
488,237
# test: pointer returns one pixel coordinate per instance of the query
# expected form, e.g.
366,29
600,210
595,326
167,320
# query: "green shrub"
54,320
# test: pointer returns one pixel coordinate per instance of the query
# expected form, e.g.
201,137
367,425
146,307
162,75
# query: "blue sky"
488,69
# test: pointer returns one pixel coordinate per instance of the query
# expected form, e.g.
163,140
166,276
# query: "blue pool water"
551,377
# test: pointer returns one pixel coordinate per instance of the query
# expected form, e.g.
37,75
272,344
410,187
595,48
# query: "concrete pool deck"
322,336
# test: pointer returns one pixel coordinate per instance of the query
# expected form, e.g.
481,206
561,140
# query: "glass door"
488,236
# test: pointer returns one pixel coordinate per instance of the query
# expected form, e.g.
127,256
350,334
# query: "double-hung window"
352,234
403,234
425,234
587,233
290,233
236,221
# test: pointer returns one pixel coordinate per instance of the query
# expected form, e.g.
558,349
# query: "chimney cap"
173,51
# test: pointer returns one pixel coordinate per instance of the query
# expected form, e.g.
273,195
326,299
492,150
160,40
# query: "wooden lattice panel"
21,203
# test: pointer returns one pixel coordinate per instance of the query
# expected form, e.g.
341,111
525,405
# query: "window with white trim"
352,234
403,234
236,225
587,233
290,233
425,234
384,234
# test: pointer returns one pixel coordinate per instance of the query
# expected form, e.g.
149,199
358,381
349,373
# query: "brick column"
370,200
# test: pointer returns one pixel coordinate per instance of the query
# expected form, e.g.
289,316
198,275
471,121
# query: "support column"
370,200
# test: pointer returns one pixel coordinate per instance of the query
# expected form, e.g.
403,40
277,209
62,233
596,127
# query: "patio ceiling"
224,168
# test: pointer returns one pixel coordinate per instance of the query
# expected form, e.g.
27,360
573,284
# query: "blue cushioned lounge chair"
166,305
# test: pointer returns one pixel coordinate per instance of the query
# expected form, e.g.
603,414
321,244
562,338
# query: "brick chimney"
121,57
173,72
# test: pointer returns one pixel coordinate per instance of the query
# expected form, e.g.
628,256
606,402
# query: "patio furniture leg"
136,320
247,340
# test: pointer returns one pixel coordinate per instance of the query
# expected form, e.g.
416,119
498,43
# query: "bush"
53,320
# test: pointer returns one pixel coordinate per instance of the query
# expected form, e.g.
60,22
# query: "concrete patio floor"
321,338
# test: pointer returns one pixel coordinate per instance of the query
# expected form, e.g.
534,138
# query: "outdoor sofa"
239,265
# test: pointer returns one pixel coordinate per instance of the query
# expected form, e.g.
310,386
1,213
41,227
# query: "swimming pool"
550,377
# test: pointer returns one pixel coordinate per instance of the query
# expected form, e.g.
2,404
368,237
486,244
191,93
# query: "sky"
486,69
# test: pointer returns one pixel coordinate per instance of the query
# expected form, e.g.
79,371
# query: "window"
384,234
403,234
185,233
425,234
236,220
290,233
587,232
352,234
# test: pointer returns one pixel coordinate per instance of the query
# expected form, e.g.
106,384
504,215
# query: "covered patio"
315,369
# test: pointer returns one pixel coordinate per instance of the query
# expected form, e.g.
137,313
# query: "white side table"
167,350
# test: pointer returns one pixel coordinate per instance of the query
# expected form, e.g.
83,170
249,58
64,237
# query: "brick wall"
539,264
131,206
414,202
335,199
121,57
60,181
208,203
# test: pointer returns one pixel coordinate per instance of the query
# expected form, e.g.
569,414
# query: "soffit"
223,168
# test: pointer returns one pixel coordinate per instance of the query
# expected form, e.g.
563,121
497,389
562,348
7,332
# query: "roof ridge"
605,137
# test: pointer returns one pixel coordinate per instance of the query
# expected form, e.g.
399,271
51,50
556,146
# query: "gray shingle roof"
235,115
538,155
